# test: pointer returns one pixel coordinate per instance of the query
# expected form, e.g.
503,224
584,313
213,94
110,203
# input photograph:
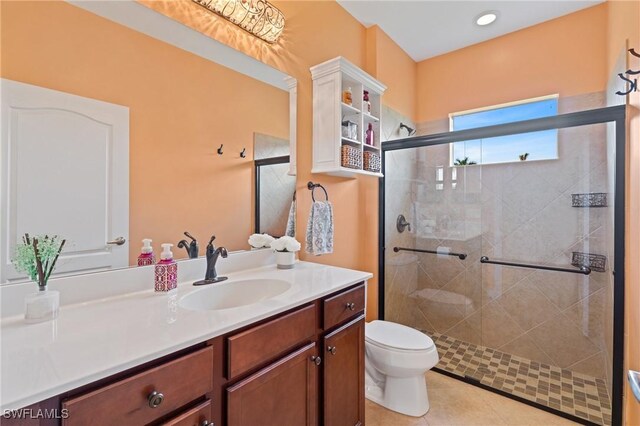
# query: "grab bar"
460,256
585,270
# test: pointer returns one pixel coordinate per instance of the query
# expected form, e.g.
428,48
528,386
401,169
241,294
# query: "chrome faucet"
213,253
192,247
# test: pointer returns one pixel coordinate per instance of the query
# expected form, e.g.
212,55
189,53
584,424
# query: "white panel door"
65,171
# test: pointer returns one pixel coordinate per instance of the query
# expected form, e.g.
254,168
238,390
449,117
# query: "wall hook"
220,149
243,154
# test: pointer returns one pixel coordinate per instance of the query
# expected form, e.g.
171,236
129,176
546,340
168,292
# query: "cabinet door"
343,397
283,394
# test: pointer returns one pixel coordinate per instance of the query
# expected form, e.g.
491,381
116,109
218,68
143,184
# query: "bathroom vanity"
270,362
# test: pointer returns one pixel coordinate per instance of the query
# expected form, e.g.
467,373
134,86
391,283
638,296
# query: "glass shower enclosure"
509,266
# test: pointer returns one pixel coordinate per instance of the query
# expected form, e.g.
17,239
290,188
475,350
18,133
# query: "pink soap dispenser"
166,271
146,254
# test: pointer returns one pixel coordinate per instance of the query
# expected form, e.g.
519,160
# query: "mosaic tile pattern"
564,390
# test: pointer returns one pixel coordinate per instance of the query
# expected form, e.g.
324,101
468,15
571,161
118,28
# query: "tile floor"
454,402
564,390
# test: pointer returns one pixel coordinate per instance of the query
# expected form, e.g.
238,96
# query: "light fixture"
486,18
258,17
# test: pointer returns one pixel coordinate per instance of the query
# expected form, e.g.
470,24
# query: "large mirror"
119,124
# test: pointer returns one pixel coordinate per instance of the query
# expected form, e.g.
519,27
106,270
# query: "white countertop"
96,339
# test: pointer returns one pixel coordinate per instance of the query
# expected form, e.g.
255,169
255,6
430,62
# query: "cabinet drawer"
197,416
342,306
127,402
260,344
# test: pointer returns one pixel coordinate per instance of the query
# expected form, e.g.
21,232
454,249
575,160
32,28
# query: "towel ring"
312,186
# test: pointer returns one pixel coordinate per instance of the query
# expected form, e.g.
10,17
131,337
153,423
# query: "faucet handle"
213,237
189,235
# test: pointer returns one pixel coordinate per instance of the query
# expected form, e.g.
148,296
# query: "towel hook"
220,149
312,186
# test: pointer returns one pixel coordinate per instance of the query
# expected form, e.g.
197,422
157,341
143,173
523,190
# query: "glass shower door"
432,269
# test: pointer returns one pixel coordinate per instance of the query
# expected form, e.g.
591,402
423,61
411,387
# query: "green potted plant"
37,257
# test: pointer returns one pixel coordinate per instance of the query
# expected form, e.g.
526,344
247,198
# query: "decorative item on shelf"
351,157
220,149
366,104
37,257
349,130
257,17
596,262
347,96
369,135
523,157
286,248
258,241
243,153
592,199
371,161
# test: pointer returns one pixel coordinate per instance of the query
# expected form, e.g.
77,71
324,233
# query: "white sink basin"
233,294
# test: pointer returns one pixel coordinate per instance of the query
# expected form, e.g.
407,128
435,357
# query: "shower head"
410,130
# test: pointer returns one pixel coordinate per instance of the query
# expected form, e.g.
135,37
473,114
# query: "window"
504,149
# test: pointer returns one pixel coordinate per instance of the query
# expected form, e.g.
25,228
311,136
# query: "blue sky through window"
540,145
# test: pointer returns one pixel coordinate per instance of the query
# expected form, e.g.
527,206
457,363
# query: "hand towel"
319,237
291,221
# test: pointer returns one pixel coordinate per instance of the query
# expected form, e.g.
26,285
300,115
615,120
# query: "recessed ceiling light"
486,18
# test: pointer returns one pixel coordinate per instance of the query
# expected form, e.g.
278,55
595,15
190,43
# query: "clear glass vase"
43,305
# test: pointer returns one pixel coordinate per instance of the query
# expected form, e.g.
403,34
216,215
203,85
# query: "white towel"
319,238
291,221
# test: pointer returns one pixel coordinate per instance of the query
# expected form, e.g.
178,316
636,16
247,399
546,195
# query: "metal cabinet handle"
316,359
332,350
351,306
206,423
155,398
117,242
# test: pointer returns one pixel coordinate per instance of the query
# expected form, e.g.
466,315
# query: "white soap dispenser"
166,271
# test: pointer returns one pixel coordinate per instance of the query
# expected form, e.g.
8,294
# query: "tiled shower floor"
573,393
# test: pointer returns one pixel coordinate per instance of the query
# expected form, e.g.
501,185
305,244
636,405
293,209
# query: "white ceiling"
425,28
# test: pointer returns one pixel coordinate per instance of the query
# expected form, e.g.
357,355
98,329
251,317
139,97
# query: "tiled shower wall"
516,211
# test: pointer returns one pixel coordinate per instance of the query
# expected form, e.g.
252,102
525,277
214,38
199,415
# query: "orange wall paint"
388,62
565,55
182,107
316,31
623,33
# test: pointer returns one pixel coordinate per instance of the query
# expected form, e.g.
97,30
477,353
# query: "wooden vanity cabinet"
284,393
301,367
343,375
320,382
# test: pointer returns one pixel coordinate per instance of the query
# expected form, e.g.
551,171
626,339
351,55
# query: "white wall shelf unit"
330,80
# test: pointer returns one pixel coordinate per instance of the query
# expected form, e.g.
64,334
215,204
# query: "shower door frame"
614,114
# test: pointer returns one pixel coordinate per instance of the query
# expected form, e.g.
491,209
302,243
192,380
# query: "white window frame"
555,96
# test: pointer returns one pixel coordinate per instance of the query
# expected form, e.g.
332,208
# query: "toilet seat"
396,337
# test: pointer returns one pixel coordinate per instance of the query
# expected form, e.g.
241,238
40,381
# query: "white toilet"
396,360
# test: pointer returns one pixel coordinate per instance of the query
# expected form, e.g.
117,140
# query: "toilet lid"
397,336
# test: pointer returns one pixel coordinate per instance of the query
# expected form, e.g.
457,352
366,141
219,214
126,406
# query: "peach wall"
317,31
623,33
565,55
182,107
